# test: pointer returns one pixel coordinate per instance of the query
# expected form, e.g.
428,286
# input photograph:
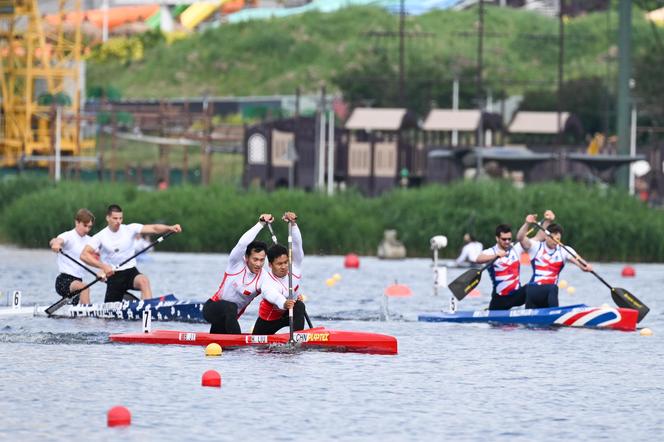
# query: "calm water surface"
58,378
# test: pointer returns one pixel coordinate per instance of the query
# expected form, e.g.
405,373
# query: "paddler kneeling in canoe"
273,310
504,271
241,283
548,259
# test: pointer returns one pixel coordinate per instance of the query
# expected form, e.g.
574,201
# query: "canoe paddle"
620,296
290,280
127,296
274,240
468,280
50,310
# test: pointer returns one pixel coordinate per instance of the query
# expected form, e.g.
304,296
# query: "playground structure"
40,83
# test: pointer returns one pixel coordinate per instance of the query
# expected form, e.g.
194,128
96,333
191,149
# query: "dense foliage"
602,224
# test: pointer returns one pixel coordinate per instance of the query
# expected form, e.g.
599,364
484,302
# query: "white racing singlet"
275,290
239,285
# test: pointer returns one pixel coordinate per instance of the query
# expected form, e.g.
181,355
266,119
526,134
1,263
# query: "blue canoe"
579,315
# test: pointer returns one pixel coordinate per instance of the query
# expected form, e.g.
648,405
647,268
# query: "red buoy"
352,261
211,378
628,272
119,416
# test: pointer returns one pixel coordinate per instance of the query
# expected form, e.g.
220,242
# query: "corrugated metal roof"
538,122
366,118
449,119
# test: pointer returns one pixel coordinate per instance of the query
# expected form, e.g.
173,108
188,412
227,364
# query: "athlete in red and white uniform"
547,258
507,289
241,284
273,310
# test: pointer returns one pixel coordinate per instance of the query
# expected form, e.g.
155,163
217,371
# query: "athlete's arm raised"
237,254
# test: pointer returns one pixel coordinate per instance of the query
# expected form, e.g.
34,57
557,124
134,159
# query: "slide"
198,12
155,19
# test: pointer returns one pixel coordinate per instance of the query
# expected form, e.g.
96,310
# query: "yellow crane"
40,68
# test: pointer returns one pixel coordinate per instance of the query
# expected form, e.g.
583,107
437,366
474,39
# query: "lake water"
59,377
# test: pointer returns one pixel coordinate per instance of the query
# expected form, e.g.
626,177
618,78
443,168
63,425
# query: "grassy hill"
273,57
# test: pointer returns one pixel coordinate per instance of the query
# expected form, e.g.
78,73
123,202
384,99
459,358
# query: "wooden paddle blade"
625,299
465,283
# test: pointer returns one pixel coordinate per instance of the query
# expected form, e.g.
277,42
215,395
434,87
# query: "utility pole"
402,53
561,64
624,74
480,56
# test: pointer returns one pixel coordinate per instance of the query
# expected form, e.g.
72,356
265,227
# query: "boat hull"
570,316
320,337
165,308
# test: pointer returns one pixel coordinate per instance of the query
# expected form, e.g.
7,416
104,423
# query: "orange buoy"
211,378
119,416
352,261
398,290
628,272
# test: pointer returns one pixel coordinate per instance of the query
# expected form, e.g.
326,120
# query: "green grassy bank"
602,224
275,56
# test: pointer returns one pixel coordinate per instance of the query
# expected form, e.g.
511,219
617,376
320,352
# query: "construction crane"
40,77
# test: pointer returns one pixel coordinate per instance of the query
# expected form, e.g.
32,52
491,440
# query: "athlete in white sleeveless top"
547,259
115,244
72,243
241,283
273,310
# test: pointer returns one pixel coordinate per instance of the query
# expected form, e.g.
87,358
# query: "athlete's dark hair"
555,228
256,246
503,228
276,251
113,208
471,237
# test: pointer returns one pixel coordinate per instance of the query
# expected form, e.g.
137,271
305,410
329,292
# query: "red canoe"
318,337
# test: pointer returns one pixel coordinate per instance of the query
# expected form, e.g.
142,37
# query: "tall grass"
601,224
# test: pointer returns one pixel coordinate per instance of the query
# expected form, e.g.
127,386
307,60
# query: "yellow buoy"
571,290
330,282
646,332
213,349
562,284
336,277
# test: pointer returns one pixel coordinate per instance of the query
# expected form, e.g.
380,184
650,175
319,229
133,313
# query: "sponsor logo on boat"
481,314
256,339
516,313
311,337
187,336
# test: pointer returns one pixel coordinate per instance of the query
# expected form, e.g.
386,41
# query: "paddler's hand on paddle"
289,304
175,228
290,217
531,219
106,271
549,216
56,244
583,265
266,218
501,253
